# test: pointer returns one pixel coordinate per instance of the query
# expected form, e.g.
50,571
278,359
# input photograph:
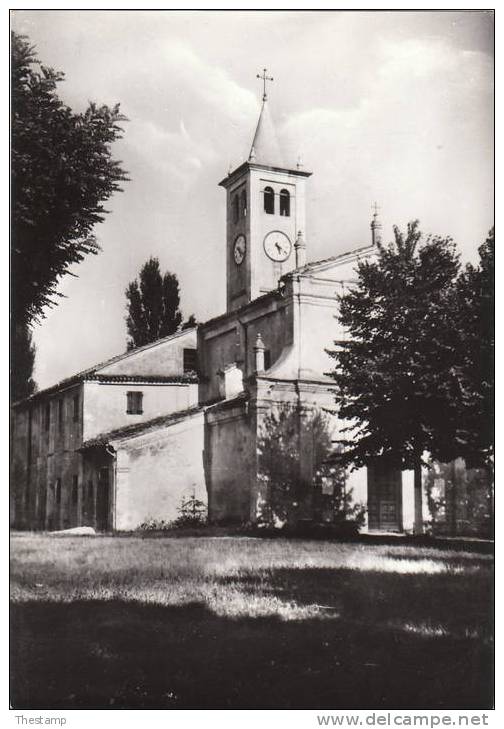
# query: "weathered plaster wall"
44,451
232,338
164,357
230,461
156,470
105,404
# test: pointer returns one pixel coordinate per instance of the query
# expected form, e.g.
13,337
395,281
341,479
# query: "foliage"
62,173
193,512
190,322
459,500
475,301
395,374
22,363
153,305
154,525
300,482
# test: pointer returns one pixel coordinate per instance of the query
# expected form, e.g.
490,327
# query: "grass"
248,623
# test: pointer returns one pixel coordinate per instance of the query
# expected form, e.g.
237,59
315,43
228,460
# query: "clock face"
277,246
239,249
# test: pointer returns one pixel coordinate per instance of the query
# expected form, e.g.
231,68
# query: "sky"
390,106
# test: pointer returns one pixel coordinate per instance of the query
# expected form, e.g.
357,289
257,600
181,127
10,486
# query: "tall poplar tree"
153,301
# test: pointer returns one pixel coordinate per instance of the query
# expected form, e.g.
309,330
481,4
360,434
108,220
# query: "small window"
76,403
60,414
267,359
236,208
47,416
285,203
75,489
190,360
244,203
57,493
134,403
269,200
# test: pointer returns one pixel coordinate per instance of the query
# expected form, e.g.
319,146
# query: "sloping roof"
134,429
265,149
327,262
93,372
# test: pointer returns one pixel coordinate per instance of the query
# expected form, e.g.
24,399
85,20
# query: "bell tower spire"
265,148
265,211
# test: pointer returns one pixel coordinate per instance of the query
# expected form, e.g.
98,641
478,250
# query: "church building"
238,412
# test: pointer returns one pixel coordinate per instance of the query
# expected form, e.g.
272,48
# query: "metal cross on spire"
265,78
375,209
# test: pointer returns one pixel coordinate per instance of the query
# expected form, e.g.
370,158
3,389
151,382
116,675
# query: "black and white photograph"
252,329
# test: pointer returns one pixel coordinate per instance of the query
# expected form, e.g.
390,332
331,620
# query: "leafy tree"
153,305
22,363
475,300
295,464
62,172
395,375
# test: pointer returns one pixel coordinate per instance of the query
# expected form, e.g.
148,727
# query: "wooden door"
103,501
384,498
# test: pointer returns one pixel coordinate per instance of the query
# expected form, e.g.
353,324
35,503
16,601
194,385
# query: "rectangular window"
267,359
190,360
75,489
47,416
134,403
60,414
76,408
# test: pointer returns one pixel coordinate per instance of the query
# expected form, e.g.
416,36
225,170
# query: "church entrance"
103,500
384,498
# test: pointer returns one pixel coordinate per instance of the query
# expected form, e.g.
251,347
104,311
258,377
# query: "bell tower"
265,215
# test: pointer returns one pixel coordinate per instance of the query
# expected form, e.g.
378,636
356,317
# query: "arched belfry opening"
269,200
285,203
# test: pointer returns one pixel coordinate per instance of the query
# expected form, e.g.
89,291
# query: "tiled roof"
186,378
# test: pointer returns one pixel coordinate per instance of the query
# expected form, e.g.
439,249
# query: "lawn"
236,622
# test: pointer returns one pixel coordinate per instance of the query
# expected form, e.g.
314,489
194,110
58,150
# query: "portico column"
417,493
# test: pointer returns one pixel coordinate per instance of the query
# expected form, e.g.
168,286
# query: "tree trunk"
417,489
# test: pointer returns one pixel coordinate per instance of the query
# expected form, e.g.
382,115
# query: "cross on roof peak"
264,78
375,208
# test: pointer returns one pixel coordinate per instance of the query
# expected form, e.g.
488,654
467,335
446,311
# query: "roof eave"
235,174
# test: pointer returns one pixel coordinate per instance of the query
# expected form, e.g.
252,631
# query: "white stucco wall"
164,357
156,470
408,500
357,481
105,404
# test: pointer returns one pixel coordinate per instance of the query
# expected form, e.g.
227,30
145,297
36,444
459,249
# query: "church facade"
238,412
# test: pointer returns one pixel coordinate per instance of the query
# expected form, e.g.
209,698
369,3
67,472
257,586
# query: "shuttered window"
190,360
134,405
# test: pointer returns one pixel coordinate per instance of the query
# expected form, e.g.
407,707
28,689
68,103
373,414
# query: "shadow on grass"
459,605
90,654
